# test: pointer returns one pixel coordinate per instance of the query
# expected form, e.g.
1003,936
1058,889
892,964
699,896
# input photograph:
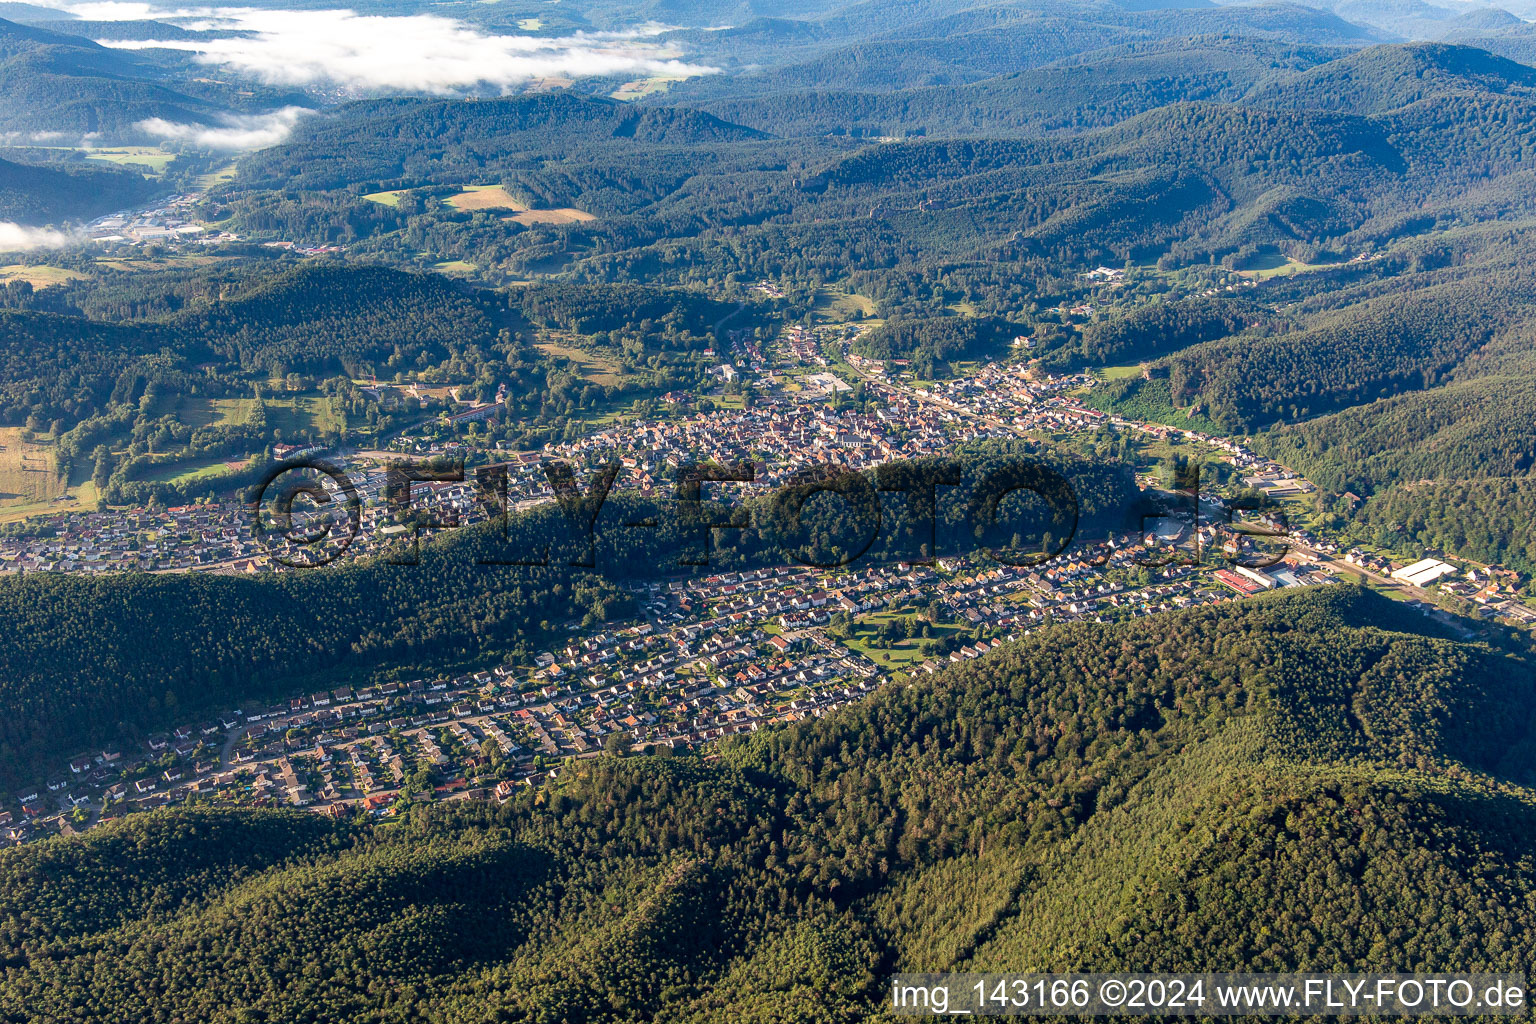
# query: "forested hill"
408,140
51,81
315,317
1091,90
1088,798
55,79
877,46
51,195
1386,78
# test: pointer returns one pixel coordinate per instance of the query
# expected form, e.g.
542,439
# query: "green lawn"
905,654
1120,372
183,472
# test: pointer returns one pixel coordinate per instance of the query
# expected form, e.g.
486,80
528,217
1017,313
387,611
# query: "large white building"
1423,572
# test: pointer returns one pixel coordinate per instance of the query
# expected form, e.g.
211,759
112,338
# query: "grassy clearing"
386,198
295,415
38,277
530,24
484,197
151,157
595,368
835,305
1264,267
222,176
452,267
1120,372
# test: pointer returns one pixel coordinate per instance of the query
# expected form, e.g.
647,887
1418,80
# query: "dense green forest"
312,318
1409,340
1478,427
32,194
928,342
993,188
1157,329
1091,797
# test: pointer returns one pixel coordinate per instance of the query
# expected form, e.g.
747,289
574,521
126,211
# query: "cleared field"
530,24
1261,268
27,471
564,215
644,87
455,267
184,473
38,277
593,367
834,305
484,197
492,197
295,415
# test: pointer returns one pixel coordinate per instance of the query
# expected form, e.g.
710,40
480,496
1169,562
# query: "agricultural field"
642,87
184,472
1264,267
151,157
563,215
484,197
30,483
38,277
472,198
27,469
455,267
296,415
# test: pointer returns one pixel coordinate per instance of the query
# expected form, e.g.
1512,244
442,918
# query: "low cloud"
378,53
234,133
16,237
420,53
48,138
